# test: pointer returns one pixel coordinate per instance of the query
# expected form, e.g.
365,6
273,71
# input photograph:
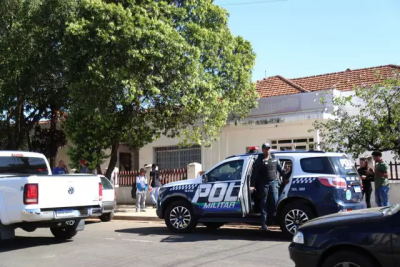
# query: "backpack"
133,191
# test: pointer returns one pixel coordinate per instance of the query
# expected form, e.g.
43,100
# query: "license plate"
65,213
357,189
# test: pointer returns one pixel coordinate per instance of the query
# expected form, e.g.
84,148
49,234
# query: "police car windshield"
343,166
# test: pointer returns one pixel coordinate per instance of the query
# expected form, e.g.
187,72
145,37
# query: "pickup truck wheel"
106,217
293,216
180,218
64,233
213,226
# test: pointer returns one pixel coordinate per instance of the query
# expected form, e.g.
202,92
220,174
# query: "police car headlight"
298,238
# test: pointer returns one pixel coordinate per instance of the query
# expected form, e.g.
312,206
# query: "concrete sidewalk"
128,212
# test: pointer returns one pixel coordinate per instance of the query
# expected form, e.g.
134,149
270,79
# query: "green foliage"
147,68
31,68
42,141
375,127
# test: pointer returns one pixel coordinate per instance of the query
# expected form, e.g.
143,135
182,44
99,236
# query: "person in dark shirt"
60,169
367,177
155,183
267,184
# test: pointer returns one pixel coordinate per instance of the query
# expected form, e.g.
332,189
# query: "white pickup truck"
31,197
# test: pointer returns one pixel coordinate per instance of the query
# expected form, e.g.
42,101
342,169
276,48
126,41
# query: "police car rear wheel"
293,216
180,218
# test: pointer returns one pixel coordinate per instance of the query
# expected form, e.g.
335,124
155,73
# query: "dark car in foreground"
362,238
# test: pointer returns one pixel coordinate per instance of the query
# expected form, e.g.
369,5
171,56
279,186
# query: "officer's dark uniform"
267,185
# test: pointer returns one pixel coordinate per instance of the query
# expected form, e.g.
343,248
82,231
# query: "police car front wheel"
180,217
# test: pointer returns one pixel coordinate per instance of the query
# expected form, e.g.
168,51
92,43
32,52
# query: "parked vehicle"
365,238
31,198
320,183
109,200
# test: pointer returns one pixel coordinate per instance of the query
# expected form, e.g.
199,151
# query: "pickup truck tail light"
336,182
100,192
31,194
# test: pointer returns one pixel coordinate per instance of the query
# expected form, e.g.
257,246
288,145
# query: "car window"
317,165
106,184
227,172
343,166
23,165
287,167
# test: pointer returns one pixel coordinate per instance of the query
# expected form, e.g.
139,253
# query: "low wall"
124,195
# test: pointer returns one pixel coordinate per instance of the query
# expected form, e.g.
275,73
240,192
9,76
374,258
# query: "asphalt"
132,243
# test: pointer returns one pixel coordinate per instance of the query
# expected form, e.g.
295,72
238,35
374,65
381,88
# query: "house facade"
284,117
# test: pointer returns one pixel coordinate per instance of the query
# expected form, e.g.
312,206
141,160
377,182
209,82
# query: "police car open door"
219,194
244,192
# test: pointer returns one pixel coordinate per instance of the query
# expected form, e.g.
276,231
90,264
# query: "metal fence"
128,178
394,170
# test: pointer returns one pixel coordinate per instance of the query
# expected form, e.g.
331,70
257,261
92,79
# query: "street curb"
134,218
156,219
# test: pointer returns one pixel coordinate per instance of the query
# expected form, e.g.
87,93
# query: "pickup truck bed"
30,201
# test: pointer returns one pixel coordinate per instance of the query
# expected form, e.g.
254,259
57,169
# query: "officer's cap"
266,145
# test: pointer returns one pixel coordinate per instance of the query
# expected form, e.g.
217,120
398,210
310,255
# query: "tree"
32,84
47,142
146,68
376,125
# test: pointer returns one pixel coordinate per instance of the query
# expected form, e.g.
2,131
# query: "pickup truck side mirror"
204,178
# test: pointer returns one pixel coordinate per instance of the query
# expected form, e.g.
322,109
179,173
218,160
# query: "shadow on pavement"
204,234
28,242
92,222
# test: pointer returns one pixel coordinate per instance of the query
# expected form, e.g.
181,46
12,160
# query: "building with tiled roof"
342,81
286,111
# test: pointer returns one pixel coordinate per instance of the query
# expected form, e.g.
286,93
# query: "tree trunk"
19,122
99,170
53,138
113,159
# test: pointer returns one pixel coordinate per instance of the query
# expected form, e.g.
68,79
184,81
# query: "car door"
287,164
219,192
244,192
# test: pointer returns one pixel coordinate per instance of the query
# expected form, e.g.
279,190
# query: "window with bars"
175,157
293,144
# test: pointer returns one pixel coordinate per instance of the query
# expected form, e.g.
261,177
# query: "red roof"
344,81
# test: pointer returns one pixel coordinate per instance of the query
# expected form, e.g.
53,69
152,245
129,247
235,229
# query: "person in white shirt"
141,189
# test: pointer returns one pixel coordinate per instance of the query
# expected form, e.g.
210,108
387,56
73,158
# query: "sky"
297,38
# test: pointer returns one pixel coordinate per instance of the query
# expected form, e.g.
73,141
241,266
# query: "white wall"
234,140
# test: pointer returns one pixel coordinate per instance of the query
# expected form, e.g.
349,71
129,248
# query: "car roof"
294,154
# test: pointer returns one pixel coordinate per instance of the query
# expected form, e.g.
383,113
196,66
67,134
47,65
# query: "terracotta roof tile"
344,81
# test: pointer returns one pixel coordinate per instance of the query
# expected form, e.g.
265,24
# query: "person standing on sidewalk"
267,184
155,183
367,177
141,189
382,185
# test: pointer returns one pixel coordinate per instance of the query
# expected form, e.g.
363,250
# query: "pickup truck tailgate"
59,191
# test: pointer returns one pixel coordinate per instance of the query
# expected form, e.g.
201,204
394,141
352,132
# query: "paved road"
127,243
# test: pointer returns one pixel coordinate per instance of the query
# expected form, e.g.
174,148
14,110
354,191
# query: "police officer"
267,183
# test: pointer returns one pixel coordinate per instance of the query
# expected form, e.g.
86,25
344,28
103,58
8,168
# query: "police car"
318,184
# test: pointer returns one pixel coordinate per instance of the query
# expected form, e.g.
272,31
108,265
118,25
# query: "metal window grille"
175,157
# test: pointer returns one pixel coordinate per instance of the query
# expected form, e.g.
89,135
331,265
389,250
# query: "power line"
252,3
